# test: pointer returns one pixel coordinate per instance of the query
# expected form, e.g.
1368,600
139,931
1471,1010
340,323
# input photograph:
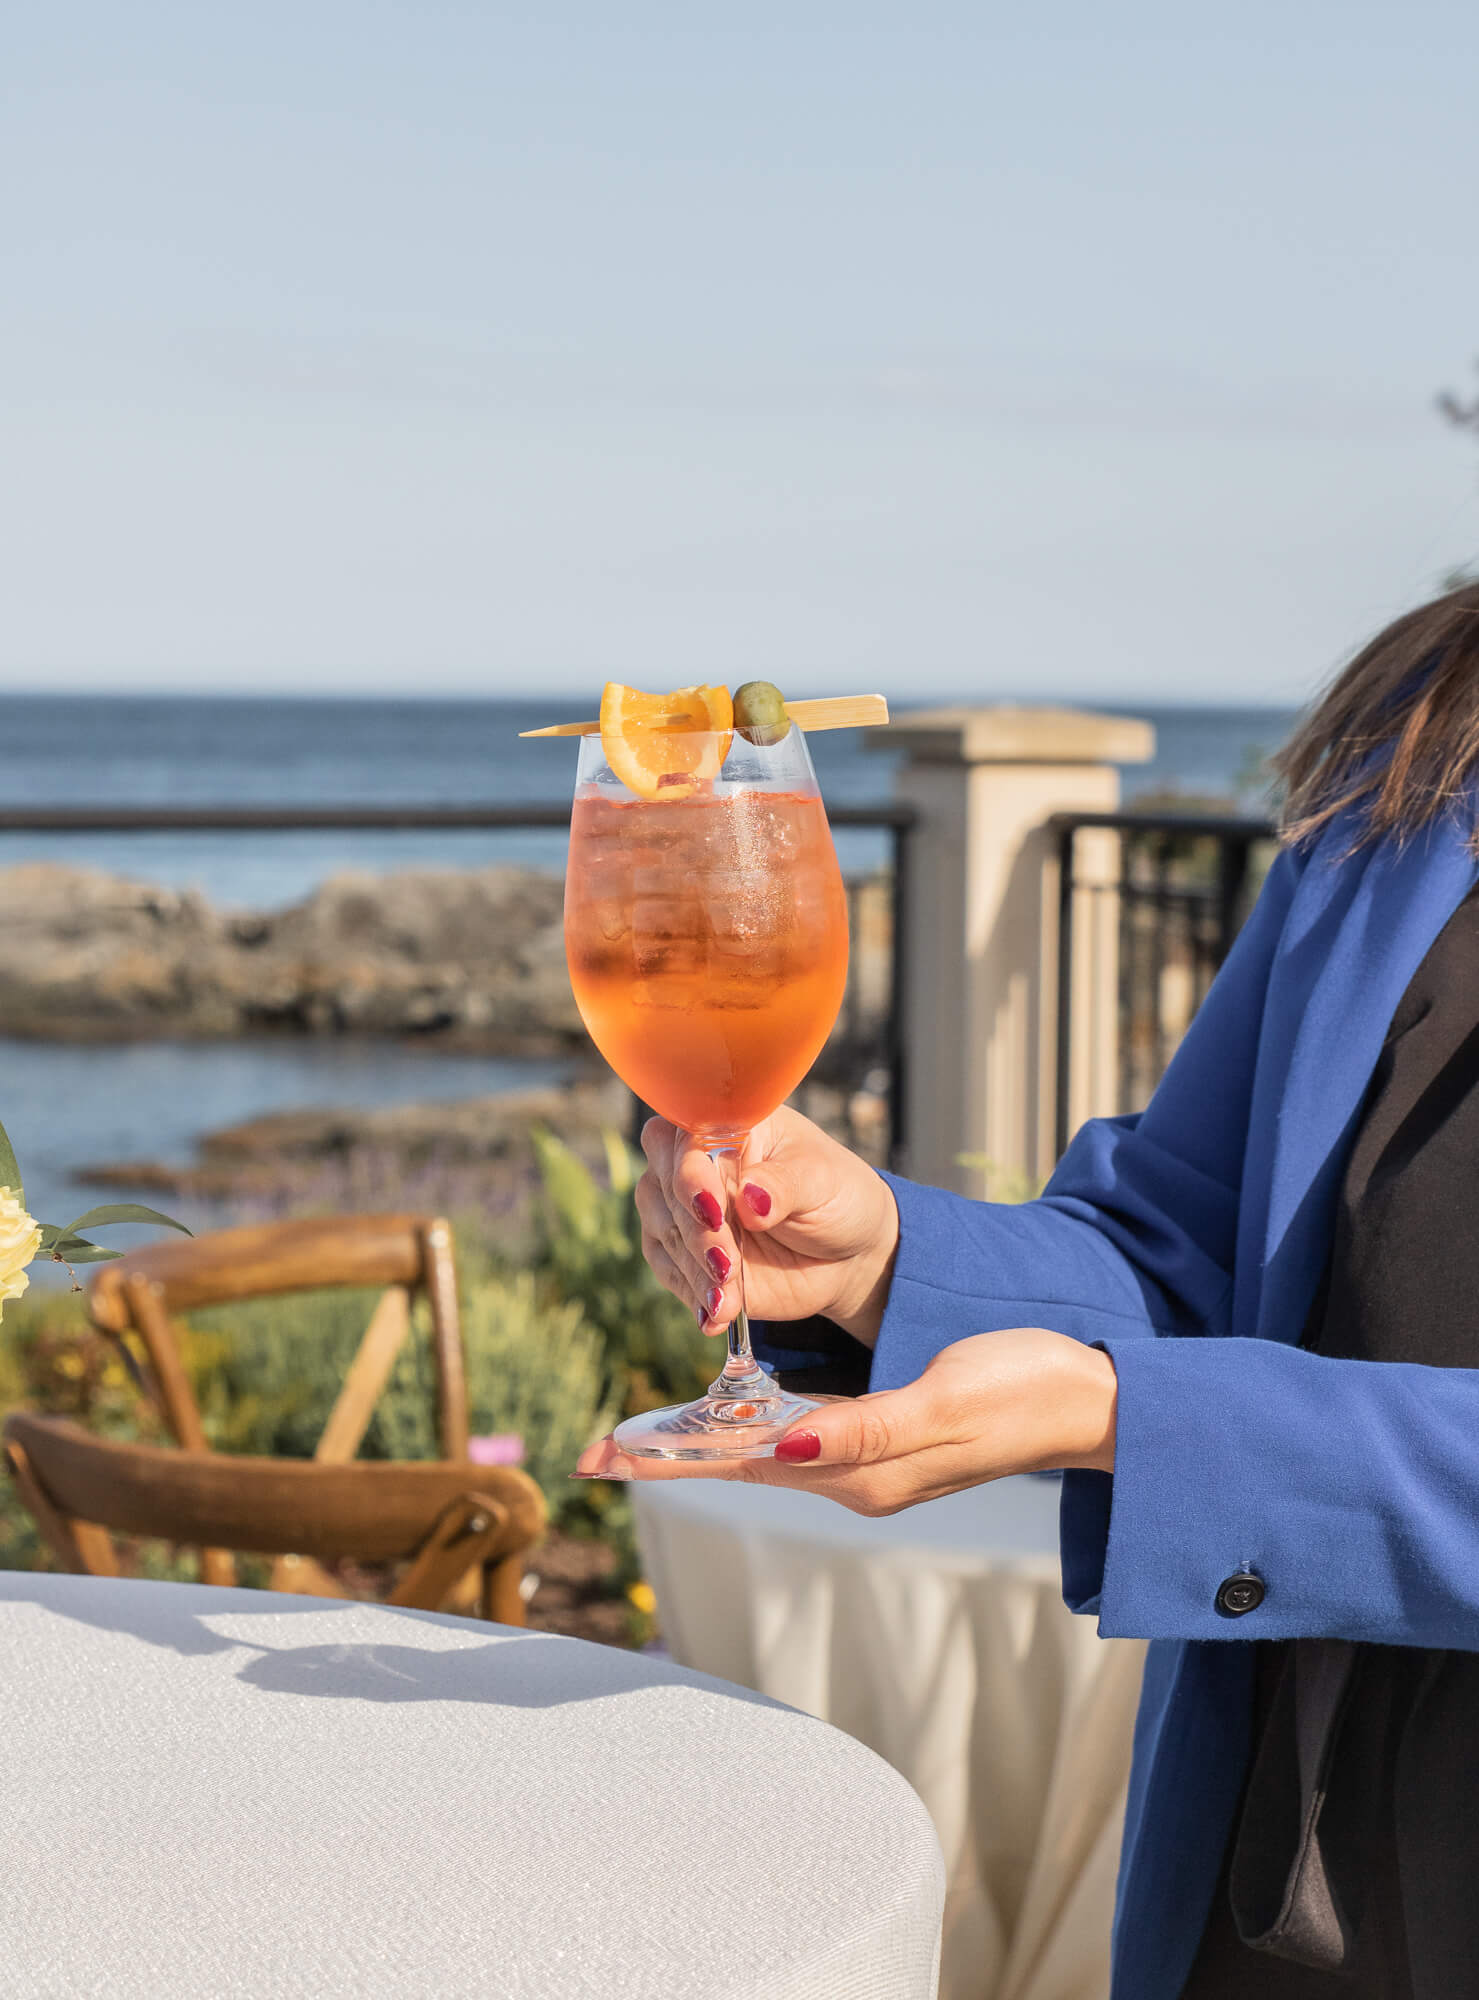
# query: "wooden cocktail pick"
838,711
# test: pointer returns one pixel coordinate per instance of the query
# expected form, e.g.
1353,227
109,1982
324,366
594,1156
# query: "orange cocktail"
707,944
706,934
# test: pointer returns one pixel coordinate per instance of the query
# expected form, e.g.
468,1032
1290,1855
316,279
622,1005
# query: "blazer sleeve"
1136,1232
1350,1489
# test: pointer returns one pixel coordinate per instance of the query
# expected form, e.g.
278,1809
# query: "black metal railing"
873,1038
1181,886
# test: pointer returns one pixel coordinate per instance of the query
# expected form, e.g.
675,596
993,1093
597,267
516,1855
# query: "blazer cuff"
964,1267
920,1317
1264,1492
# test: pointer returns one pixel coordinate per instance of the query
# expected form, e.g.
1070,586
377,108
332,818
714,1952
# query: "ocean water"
168,751
68,1107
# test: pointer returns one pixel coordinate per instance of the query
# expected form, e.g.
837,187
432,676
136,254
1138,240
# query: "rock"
480,1143
475,956
459,1129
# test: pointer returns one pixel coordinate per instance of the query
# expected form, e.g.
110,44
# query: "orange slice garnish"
664,746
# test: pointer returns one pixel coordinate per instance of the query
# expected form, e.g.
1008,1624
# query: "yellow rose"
20,1239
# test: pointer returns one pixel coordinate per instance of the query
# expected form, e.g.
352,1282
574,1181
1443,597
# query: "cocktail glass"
706,933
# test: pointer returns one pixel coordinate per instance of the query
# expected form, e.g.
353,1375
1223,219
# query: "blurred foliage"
556,1352
1004,1184
51,1359
266,1373
589,1248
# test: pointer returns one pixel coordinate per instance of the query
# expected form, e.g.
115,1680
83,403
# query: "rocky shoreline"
471,958
478,1139
455,1155
462,960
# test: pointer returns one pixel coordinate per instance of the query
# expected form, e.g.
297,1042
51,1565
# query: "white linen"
213,1792
938,1637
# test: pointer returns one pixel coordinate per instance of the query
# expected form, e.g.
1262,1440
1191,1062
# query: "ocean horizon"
71,1106
238,750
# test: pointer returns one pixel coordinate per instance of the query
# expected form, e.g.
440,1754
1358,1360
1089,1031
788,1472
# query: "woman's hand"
1018,1401
820,1227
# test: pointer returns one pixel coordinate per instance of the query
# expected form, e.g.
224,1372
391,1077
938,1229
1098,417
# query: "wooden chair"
138,1294
443,1520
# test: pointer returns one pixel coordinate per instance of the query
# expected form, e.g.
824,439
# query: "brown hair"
1412,693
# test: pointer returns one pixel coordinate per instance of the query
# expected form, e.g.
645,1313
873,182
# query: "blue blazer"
1188,1242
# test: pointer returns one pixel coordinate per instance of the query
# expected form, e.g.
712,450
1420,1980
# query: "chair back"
443,1519
141,1291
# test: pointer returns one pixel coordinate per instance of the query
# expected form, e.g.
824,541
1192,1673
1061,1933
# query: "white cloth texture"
937,1636
223,1792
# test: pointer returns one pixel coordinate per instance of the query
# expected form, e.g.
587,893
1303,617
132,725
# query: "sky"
355,346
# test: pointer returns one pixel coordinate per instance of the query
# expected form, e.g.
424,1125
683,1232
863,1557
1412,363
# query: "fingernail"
717,1262
708,1211
703,1315
758,1199
797,1447
713,1299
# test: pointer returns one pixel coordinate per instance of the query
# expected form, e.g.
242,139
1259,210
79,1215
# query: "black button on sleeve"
1241,1593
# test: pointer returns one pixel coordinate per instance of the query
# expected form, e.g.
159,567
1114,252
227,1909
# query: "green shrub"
52,1360
533,1367
267,1373
589,1249
556,1354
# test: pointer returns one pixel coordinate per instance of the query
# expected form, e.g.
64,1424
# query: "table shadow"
518,1670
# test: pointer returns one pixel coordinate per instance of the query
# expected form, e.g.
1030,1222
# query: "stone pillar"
981,934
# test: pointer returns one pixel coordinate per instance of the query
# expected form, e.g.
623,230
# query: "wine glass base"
716,1427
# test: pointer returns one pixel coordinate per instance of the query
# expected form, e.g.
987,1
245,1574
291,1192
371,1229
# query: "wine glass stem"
742,1374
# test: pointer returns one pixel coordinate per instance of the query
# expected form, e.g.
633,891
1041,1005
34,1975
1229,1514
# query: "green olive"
760,713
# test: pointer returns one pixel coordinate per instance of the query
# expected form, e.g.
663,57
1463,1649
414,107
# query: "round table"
938,1637
222,1792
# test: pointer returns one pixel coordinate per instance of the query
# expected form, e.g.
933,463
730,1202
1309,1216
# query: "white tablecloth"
213,1792
939,1637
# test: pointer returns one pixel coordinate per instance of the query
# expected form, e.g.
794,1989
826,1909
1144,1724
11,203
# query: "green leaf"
123,1211
569,1186
77,1250
622,1164
10,1173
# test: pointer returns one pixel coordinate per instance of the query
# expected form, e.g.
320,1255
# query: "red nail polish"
702,1313
713,1299
798,1447
718,1263
758,1199
708,1211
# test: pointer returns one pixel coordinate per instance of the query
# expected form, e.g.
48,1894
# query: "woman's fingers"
657,1140
655,1212
674,1280
860,1431
691,1191
1017,1400
827,1222
697,1191
884,1488
693,1275
865,1451
790,1183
